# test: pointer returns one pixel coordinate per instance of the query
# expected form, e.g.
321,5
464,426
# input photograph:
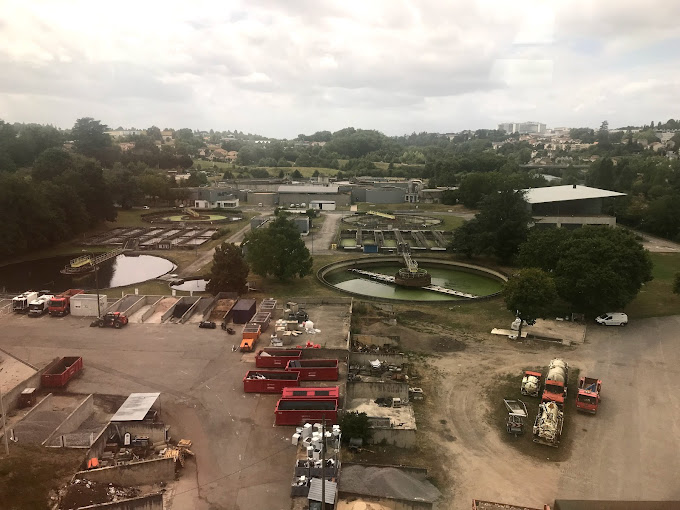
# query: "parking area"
627,451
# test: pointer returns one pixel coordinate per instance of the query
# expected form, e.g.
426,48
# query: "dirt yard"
616,454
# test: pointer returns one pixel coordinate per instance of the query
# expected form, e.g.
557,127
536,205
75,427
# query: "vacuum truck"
548,424
556,381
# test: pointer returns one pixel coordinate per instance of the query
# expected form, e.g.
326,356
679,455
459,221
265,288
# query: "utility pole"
96,283
4,428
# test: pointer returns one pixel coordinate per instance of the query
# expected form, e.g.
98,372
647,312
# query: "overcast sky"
283,67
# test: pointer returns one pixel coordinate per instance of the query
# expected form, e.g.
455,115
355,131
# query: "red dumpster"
269,381
62,371
315,369
317,393
279,358
297,412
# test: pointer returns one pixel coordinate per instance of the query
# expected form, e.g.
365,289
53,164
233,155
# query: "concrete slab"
161,308
12,372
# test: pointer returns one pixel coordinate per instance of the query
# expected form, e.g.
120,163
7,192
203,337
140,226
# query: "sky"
283,67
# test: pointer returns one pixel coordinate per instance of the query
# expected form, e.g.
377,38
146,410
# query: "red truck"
556,381
269,381
60,304
276,358
61,372
588,398
315,369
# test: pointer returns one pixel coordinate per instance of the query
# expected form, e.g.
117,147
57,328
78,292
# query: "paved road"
242,461
322,240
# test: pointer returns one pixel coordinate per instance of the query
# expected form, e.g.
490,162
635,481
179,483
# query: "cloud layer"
282,68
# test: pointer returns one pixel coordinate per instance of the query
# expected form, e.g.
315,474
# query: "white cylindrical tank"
307,430
295,439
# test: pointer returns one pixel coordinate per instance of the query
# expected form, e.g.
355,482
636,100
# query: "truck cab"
38,307
588,398
21,302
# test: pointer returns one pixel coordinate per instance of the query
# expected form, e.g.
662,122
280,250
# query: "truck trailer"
297,412
61,372
588,398
276,358
20,303
38,307
60,304
315,369
269,381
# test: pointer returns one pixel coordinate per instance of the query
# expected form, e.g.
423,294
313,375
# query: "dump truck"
531,383
20,303
38,307
61,372
60,304
588,398
548,424
556,382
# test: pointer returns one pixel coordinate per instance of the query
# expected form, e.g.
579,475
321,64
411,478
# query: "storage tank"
557,371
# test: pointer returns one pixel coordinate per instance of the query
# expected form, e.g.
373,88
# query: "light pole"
96,283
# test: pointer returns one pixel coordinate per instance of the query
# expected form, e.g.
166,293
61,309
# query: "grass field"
656,298
273,170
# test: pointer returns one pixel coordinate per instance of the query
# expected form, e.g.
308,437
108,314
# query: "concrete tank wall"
74,420
149,502
137,473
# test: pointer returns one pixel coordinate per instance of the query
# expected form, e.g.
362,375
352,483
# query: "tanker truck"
556,382
548,424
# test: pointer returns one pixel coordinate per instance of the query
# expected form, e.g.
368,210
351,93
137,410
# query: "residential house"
126,146
656,146
231,156
119,133
167,135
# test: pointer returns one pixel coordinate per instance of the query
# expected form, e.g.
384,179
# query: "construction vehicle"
38,307
20,303
112,320
548,424
60,304
531,383
588,398
517,412
556,382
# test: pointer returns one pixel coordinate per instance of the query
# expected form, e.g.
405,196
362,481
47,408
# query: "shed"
243,311
315,494
136,407
85,305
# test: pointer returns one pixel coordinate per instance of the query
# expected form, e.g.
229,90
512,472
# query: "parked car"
207,325
612,319
146,207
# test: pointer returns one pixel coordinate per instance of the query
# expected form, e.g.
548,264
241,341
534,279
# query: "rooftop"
135,407
315,491
566,193
290,188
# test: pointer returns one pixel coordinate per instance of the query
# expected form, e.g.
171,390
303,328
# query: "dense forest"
55,184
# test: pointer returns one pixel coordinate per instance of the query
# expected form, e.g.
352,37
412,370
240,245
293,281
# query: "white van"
612,319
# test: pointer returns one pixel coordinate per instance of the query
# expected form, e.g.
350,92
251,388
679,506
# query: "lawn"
656,298
273,170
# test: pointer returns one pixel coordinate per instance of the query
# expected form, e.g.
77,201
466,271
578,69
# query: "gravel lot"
627,451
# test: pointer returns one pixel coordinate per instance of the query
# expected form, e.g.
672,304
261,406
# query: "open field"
273,170
656,298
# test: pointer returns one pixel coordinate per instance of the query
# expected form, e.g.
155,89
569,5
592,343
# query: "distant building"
569,206
209,198
167,135
304,194
529,127
119,133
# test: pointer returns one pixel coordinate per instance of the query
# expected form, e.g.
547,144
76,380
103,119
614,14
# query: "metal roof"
315,491
289,188
566,193
135,407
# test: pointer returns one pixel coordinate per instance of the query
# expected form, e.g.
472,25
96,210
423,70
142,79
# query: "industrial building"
211,198
528,127
291,194
569,206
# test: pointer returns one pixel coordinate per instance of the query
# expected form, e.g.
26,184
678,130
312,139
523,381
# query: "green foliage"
90,137
543,248
296,174
498,229
530,294
221,232
229,271
278,250
601,268
585,135
355,425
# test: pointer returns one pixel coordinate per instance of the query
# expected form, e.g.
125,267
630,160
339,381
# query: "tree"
229,271
543,248
90,137
601,268
278,250
498,229
603,134
296,174
355,426
530,295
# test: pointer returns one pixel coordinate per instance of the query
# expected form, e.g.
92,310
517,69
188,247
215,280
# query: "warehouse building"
569,206
291,194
